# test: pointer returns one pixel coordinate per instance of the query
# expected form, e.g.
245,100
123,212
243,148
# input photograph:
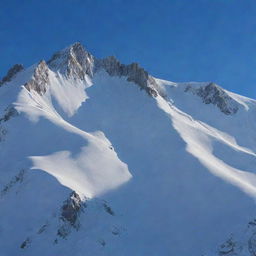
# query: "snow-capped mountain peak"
74,61
117,162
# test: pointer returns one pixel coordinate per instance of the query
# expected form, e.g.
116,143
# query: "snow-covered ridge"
133,72
111,169
75,62
227,102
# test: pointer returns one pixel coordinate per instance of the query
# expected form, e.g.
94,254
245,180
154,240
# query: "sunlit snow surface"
178,174
96,168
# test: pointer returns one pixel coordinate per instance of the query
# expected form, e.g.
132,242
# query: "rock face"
71,208
11,73
40,79
16,179
133,72
70,212
73,61
25,244
77,63
9,113
213,94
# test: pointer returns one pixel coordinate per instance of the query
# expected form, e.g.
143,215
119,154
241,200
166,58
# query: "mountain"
101,158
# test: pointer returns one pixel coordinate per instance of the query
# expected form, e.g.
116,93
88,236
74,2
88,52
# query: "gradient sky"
177,40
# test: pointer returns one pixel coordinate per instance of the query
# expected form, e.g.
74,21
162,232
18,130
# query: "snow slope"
100,158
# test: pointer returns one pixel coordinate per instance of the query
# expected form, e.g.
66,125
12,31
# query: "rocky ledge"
75,62
11,73
133,72
213,94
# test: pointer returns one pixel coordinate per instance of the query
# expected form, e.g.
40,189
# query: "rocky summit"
102,158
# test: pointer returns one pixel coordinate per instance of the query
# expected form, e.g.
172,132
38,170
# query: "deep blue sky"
178,40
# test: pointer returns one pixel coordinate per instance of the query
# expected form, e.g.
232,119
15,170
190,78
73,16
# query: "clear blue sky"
178,40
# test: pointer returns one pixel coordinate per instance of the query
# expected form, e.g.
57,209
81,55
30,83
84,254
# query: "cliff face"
40,79
133,72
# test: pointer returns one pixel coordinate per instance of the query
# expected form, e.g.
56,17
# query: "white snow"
96,168
199,141
69,94
178,174
92,172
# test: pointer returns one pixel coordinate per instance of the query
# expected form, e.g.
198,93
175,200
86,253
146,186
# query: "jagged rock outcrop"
16,179
71,208
213,94
108,209
70,212
26,243
73,61
11,73
133,72
40,79
9,113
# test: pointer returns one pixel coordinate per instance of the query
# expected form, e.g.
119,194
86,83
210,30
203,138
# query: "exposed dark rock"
16,179
73,61
133,72
252,223
9,113
71,208
213,94
70,212
42,229
108,209
40,79
11,73
25,244
64,231
252,245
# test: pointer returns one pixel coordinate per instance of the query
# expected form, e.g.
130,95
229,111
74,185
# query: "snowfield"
96,160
